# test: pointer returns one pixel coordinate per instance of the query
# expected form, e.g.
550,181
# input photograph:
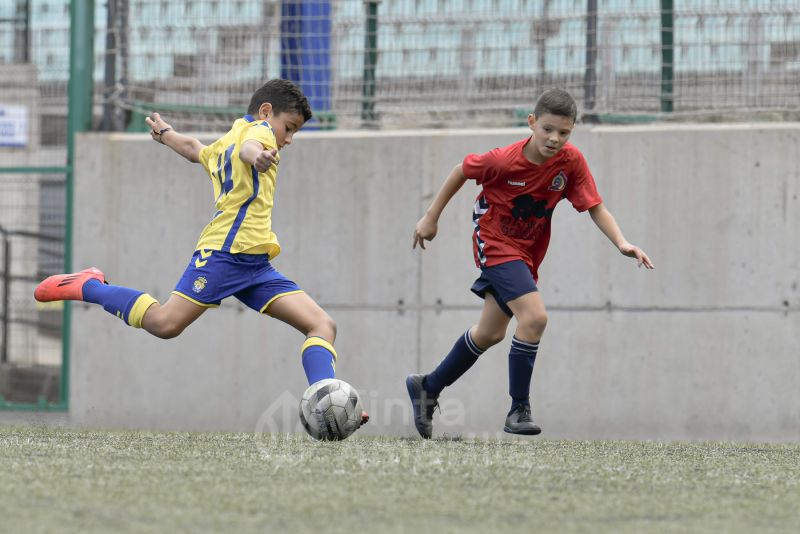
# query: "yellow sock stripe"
139,308
310,342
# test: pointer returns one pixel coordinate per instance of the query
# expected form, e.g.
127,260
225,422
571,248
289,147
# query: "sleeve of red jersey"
480,167
582,191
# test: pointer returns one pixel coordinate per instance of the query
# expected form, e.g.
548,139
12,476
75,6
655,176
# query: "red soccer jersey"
513,211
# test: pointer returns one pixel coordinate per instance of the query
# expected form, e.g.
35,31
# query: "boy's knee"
164,328
484,340
326,324
536,321
332,324
169,330
495,337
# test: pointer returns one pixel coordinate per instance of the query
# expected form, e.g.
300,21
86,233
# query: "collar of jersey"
250,118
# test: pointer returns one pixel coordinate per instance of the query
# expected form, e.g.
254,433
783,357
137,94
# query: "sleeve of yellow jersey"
262,133
204,154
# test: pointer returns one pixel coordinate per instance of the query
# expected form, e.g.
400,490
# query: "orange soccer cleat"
66,286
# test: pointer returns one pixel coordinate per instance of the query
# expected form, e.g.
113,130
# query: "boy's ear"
531,120
265,111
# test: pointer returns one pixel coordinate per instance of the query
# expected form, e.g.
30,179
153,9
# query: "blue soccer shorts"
505,282
213,275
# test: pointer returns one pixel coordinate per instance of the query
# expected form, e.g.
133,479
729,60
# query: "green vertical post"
6,293
79,119
370,61
667,48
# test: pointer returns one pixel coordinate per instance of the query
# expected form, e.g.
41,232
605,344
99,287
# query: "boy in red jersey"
521,185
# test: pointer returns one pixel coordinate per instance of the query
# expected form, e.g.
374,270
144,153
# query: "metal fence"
32,231
33,139
31,332
410,63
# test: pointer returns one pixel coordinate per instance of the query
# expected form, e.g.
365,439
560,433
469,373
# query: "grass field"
57,480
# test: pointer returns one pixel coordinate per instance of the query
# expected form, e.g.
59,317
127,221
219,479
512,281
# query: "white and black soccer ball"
330,409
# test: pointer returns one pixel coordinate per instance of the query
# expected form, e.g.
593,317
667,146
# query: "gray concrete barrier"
707,346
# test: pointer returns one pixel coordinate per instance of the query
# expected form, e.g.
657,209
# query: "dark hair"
284,97
556,102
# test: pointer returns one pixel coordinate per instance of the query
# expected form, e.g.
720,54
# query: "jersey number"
224,172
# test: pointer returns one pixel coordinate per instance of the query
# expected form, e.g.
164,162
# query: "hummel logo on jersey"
512,182
204,254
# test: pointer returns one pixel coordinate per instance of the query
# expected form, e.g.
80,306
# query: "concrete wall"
707,346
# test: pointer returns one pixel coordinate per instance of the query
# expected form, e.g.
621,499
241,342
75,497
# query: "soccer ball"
330,409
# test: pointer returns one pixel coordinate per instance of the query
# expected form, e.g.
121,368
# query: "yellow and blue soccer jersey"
242,222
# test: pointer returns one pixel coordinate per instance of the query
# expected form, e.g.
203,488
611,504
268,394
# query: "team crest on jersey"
559,182
199,284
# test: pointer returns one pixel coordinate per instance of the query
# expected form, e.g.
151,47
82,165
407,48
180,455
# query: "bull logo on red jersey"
525,207
559,182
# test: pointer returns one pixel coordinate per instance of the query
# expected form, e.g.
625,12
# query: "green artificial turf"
59,480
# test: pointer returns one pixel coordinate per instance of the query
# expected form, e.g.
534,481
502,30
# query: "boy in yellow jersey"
232,257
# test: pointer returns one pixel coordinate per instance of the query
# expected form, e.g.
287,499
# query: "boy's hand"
157,126
265,160
253,153
425,230
632,251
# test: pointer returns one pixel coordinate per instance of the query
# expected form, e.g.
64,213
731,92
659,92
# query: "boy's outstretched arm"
605,221
428,225
186,146
253,153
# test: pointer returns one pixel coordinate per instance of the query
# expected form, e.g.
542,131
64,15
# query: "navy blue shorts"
213,275
505,282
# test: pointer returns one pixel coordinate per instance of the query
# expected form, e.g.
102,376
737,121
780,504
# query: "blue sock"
116,300
319,359
520,369
461,357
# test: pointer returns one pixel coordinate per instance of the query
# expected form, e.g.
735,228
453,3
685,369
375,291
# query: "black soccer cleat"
423,405
520,421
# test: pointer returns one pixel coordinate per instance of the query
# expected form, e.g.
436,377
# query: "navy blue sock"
116,300
461,357
520,369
